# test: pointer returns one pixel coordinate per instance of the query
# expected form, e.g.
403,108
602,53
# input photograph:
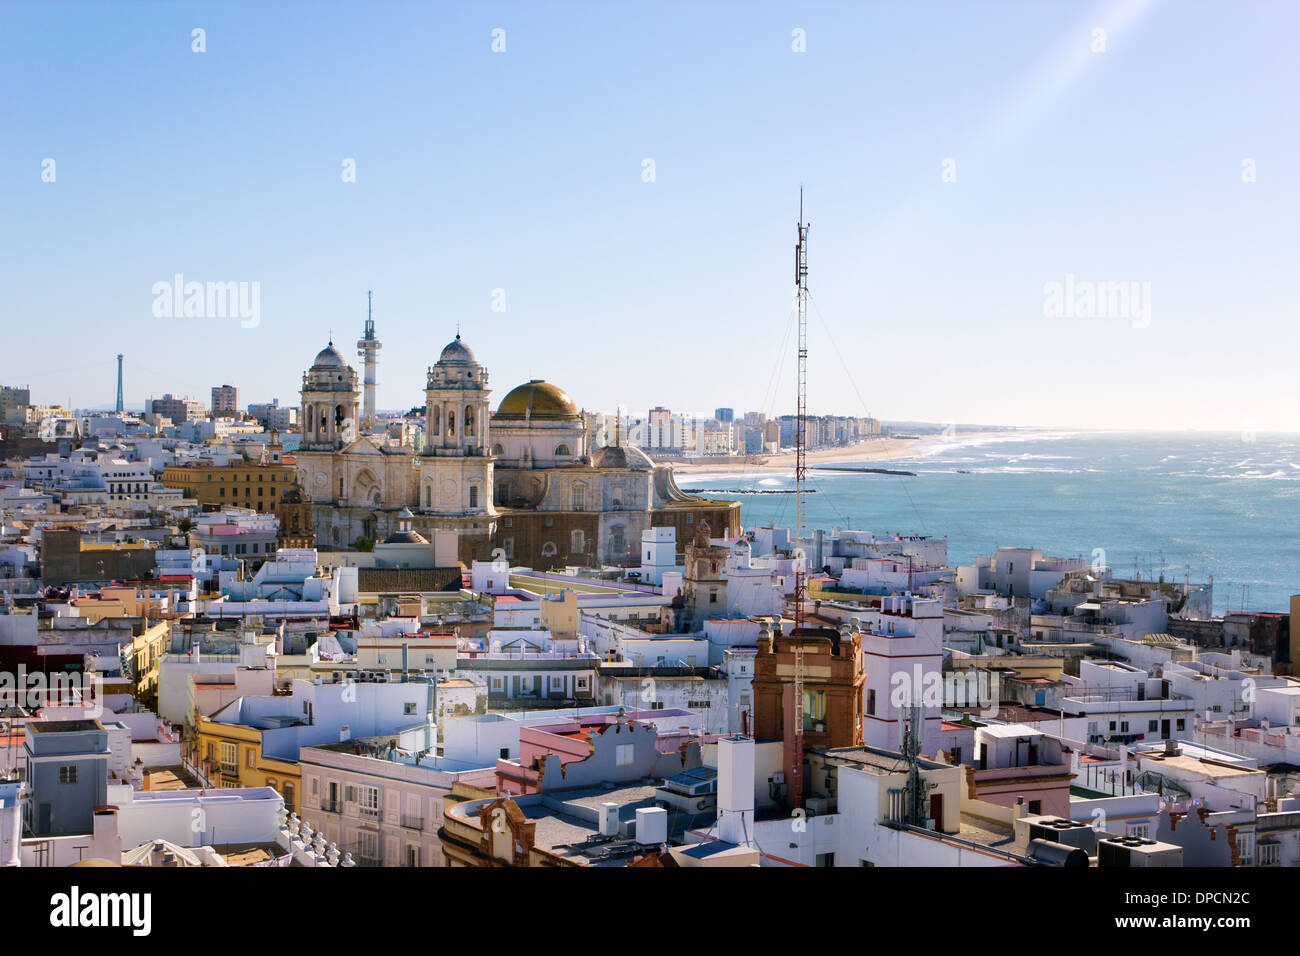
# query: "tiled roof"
414,580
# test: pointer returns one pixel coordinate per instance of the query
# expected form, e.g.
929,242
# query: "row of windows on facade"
577,545
367,803
451,422
1153,726
561,451
531,686
229,764
254,547
578,499
262,491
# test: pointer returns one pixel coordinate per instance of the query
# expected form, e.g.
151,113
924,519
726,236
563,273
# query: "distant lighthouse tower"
368,350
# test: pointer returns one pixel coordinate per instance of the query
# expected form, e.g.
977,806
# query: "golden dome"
537,399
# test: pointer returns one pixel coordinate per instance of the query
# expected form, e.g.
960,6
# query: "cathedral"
525,481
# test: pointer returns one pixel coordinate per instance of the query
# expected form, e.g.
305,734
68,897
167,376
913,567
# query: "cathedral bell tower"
456,467
456,404
330,403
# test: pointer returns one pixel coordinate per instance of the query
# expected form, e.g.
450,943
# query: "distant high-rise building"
659,431
119,408
177,409
13,403
274,415
225,401
725,415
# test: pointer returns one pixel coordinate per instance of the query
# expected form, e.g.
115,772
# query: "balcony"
412,823
331,806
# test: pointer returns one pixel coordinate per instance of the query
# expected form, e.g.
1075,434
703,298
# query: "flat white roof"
1010,730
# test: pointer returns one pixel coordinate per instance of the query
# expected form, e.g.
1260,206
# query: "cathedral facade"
523,482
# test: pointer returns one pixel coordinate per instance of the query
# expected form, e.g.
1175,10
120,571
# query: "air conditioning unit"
608,819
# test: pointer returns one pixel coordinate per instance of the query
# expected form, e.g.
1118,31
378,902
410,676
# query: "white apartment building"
903,646
382,802
1123,704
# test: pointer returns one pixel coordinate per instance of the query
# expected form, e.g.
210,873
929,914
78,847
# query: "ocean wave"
977,440
1018,470
1277,475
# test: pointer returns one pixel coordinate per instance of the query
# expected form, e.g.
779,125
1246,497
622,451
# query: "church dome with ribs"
329,357
458,352
537,400
623,457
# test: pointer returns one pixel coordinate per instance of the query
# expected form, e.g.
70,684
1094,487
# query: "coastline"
882,449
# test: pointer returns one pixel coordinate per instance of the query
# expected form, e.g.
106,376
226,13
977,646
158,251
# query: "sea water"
1188,505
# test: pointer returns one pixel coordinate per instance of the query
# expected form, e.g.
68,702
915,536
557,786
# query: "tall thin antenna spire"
800,470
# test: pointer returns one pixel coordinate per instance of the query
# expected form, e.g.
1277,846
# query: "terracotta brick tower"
833,680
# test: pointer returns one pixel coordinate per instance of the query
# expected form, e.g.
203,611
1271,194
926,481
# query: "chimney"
736,789
105,843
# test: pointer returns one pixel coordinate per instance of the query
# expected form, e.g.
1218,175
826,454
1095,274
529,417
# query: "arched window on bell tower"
469,419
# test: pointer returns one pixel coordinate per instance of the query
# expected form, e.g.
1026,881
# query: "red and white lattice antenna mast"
800,468
801,423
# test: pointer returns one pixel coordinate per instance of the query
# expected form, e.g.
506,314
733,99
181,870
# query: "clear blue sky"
522,171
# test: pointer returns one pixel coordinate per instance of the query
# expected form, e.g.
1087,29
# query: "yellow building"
144,653
147,649
242,485
120,601
230,756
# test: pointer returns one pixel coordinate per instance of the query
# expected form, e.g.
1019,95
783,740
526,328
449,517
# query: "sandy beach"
882,449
